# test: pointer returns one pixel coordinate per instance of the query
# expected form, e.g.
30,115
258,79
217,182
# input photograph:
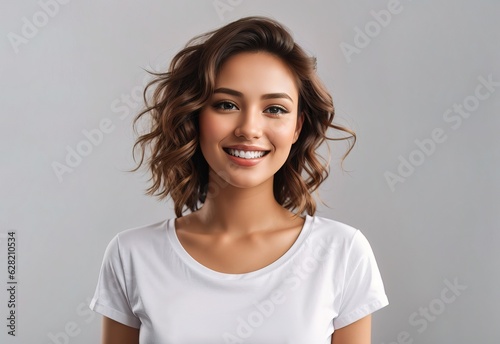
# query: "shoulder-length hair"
176,163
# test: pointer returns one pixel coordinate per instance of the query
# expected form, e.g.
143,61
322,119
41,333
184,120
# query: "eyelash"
281,109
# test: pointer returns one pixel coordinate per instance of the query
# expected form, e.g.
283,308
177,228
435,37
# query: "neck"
241,210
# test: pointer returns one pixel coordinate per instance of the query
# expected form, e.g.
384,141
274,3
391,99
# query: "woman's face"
249,124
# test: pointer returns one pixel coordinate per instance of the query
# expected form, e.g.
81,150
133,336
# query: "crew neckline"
197,266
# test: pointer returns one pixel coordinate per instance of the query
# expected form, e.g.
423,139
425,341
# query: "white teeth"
246,154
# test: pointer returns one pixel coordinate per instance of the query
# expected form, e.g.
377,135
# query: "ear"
298,128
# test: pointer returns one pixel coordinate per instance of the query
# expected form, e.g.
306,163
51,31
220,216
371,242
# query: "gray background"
439,225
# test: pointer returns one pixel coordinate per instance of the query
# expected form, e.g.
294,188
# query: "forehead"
254,72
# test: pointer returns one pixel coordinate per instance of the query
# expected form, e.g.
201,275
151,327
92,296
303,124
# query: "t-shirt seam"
201,269
126,291
367,308
131,319
348,256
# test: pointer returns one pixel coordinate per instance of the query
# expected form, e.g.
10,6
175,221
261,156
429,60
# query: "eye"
225,106
276,110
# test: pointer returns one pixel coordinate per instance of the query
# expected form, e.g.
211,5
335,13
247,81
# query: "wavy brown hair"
176,163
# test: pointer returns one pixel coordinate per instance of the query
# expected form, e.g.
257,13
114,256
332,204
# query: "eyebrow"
265,96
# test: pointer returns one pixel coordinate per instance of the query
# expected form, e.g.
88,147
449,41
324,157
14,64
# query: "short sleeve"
111,297
363,291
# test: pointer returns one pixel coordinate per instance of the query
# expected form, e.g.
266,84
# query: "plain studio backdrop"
419,82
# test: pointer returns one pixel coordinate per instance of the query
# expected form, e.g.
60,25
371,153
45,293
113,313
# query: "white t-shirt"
328,279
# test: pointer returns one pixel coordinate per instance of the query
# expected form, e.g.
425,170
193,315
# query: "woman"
235,124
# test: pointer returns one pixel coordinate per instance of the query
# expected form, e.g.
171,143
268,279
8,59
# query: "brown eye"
225,106
276,110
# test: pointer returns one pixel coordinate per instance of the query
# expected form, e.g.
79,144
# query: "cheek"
208,127
203,122
283,134
213,129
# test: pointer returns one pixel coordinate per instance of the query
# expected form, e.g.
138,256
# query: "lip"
244,162
247,148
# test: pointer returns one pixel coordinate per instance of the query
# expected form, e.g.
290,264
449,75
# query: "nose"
250,125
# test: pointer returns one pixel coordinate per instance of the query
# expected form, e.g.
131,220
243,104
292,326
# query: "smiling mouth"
245,154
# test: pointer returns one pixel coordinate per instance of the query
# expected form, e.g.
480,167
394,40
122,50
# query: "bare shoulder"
114,332
359,332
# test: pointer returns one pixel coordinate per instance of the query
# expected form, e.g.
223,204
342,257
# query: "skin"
114,332
359,332
225,235
224,227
